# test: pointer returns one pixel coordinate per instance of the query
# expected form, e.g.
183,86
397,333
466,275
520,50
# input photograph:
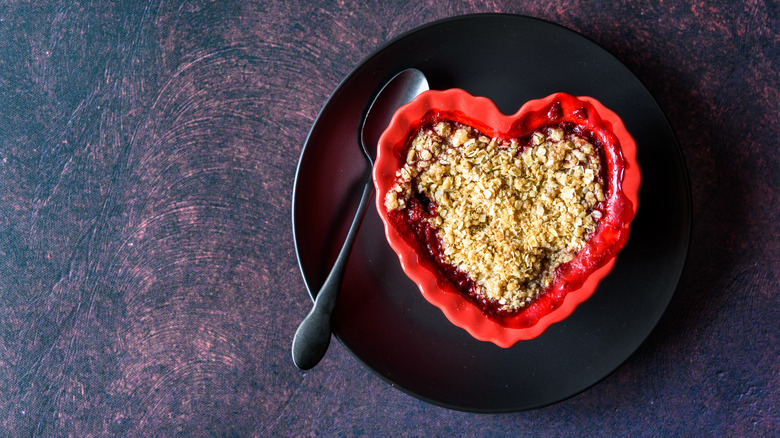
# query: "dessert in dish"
498,215
506,222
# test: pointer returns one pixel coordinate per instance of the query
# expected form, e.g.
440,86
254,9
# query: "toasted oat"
507,215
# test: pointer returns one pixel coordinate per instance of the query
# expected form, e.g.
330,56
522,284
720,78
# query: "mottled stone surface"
148,279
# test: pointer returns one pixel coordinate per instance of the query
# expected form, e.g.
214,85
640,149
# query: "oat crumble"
506,214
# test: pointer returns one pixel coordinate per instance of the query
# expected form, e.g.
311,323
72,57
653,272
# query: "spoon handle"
313,335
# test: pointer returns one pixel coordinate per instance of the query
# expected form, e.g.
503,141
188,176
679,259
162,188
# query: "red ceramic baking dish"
572,282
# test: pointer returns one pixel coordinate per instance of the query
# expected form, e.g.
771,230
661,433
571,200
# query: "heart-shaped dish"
570,282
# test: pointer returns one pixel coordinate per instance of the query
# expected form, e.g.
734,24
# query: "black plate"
381,317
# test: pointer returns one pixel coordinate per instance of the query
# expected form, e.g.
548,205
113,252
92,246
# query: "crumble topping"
506,214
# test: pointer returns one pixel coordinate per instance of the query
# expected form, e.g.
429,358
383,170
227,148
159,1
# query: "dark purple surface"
148,281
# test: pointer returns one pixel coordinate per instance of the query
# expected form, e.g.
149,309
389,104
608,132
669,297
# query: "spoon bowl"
312,337
400,90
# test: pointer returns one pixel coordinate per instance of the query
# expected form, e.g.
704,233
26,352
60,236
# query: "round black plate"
381,317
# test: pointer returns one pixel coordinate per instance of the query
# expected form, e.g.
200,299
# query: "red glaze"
419,248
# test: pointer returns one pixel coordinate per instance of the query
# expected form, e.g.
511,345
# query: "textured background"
148,280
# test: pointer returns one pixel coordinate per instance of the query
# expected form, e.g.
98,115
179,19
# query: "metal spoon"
313,335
